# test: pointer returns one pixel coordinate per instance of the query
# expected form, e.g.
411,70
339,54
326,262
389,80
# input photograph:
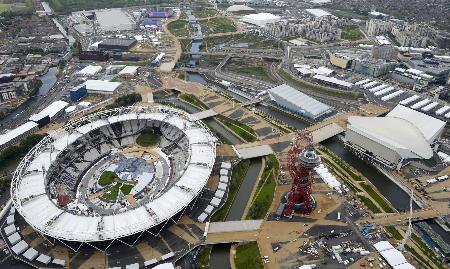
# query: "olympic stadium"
92,182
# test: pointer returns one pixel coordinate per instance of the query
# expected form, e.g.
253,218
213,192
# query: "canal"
23,112
398,198
220,254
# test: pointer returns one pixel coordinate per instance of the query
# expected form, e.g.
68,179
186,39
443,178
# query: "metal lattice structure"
301,160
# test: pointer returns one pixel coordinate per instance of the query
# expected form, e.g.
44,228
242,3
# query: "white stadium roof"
32,202
261,19
287,94
404,130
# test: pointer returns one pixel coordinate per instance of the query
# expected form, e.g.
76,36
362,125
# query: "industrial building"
340,60
298,102
77,93
402,135
373,67
116,44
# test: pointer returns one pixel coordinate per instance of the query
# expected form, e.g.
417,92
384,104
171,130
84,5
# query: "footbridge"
402,217
232,231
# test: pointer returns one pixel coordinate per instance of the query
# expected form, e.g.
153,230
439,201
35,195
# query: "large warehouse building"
298,102
116,44
402,135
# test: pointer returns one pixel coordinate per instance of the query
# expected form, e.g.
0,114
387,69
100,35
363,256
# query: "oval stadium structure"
93,180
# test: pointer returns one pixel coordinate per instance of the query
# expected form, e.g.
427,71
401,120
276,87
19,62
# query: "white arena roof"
317,12
101,86
299,100
261,19
429,126
404,130
34,204
239,8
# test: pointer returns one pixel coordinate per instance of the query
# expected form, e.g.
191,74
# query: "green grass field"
248,256
351,32
218,25
107,178
147,138
179,28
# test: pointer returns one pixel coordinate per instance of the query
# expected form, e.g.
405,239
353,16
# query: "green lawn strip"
266,189
179,28
193,100
219,135
349,184
427,251
258,72
253,41
394,232
203,257
248,256
185,44
419,258
369,204
147,138
165,103
242,130
239,172
368,188
377,197
317,88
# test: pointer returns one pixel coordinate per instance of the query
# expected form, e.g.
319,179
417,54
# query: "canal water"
398,198
22,113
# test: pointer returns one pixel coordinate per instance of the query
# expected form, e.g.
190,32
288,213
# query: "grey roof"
118,42
292,96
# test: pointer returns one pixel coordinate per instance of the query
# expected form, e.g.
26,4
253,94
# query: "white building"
101,86
402,135
298,102
13,136
89,70
260,19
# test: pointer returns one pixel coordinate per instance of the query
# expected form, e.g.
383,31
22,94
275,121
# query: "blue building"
77,93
